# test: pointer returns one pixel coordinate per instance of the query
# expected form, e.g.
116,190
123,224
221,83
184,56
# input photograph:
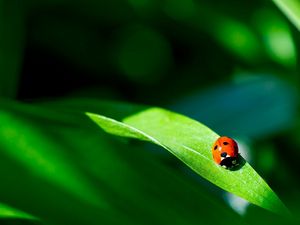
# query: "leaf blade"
291,9
9,212
191,142
11,46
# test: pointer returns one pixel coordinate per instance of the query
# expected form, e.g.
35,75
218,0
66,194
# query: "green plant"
191,142
291,8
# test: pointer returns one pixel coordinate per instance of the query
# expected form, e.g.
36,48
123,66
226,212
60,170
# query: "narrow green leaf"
291,8
263,105
9,212
136,186
155,187
11,45
26,144
191,142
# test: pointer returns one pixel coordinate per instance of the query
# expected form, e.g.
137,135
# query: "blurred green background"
232,65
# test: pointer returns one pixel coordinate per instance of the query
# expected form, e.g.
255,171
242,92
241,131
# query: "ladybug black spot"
216,146
225,143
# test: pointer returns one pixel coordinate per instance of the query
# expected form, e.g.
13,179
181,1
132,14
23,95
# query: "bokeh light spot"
144,54
180,10
238,38
277,38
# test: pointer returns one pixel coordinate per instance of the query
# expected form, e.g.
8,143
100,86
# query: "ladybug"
225,152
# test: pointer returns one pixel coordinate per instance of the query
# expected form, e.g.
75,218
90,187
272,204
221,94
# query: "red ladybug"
225,152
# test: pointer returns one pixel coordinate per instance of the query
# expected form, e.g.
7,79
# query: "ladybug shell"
224,147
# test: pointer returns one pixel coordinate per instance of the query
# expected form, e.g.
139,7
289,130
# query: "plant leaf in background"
191,142
139,184
37,177
9,212
135,186
277,37
253,106
11,46
291,8
43,158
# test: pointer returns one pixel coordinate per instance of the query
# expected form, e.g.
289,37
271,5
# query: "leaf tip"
92,116
89,114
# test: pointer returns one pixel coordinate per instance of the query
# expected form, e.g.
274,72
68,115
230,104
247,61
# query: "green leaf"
263,105
40,177
143,186
191,142
43,158
11,45
291,8
136,186
9,212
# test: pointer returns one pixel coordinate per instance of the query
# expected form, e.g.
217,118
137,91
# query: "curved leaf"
9,212
263,105
291,8
26,144
191,142
11,46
